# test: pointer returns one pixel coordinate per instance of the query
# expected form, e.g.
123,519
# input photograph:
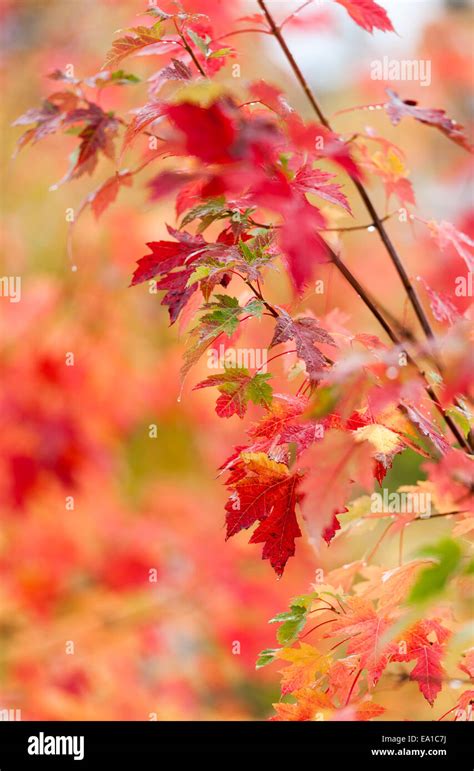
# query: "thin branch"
260,296
295,13
241,32
189,49
353,228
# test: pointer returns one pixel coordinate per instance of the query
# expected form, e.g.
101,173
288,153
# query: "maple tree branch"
378,222
353,228
189,49
351,279
259,295
431,516
371,305
348,229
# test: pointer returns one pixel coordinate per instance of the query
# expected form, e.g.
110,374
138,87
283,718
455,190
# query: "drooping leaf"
305,332
266,492
106,194
447,235
335,464
48,118
397,109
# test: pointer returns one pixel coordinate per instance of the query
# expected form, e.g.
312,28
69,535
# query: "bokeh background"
81,574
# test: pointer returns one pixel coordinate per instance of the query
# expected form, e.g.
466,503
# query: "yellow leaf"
261,463
202,93
390,163
306,663
383,439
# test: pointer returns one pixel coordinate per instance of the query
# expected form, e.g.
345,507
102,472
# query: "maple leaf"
164,257
266,493
177,70
167,182
48,118
97,135
142,118
453,477
341,677
322,143
366,630
367,14
269,95
140,38
222,317
282,426
428,671
210,132
387,444
305,332
310,702
467,663
390,587
335,464
306,663
442,307
388,164
106,194
427,428
237,388
397,109
330,530
447,235
293,621
309,180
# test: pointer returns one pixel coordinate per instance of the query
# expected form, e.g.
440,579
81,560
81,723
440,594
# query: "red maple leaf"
309,180
366,630
267,493
306,332
424,643
367,14
210,133
165,256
